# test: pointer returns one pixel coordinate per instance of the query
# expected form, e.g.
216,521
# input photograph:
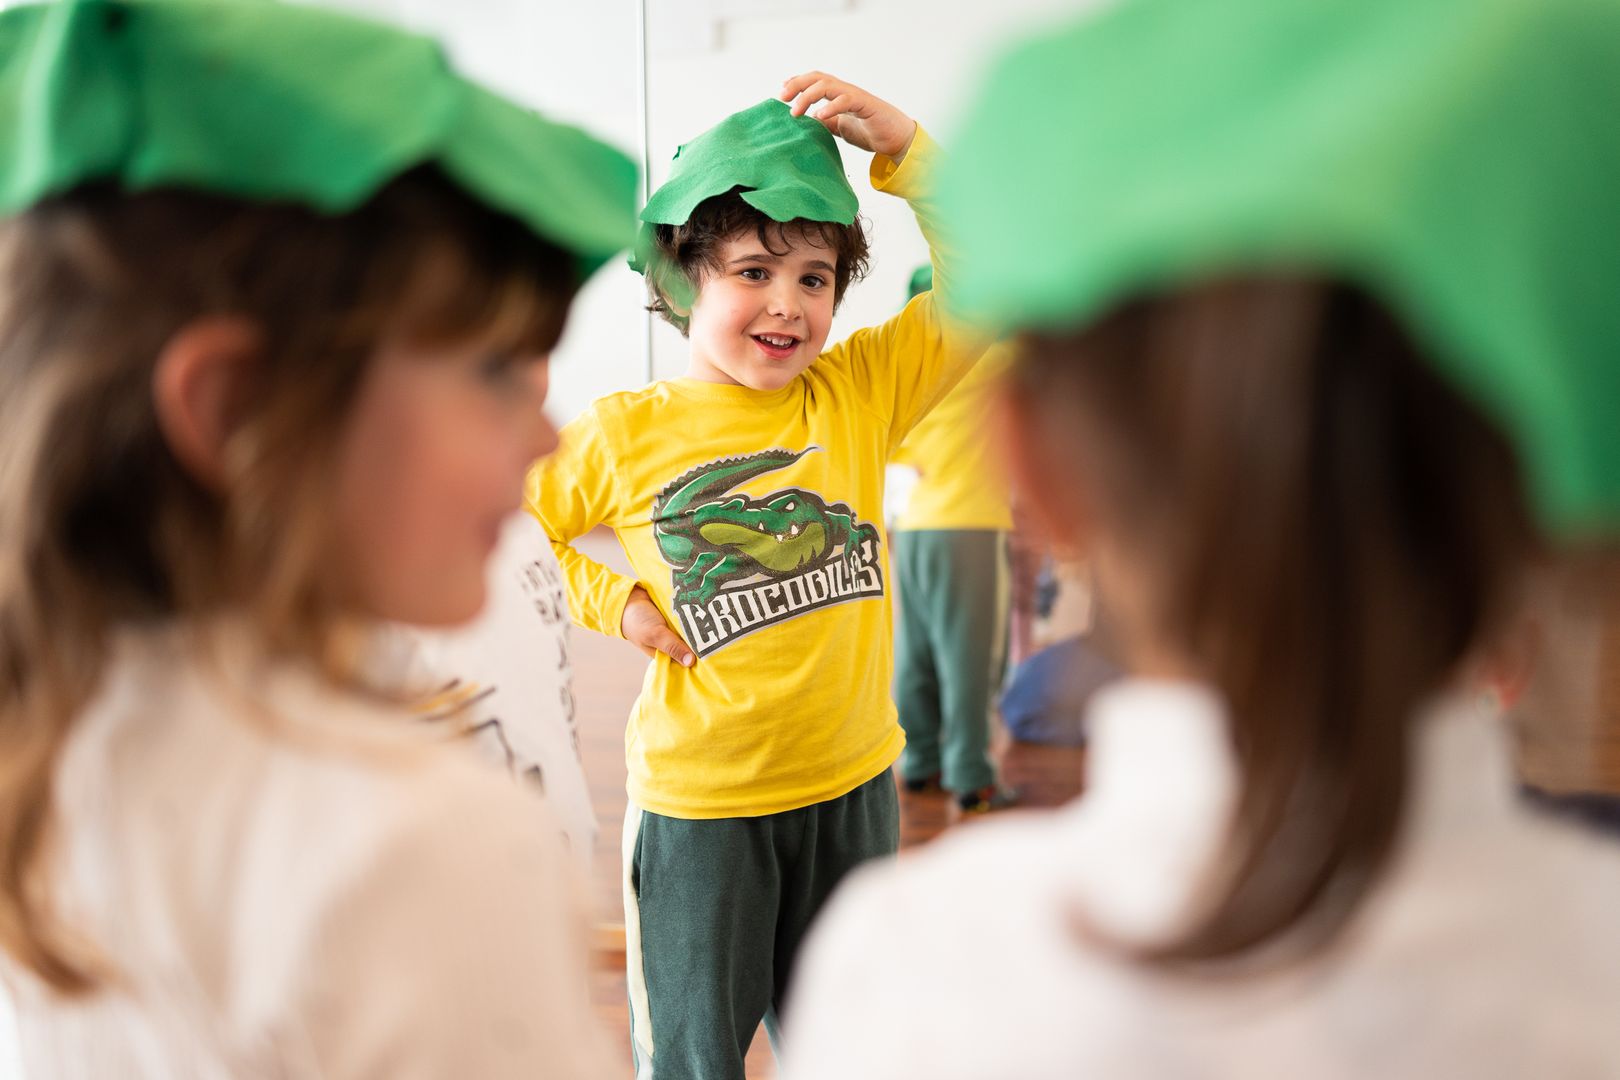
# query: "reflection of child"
505,680
1032,588
748,496
1308,448
950,565
276,294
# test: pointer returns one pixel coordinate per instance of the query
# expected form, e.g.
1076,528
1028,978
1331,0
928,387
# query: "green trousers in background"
949,647
715,911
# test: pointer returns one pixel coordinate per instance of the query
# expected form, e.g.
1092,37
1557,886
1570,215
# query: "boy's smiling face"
761,318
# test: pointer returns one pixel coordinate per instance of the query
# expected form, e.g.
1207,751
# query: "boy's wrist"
623,602
899,156
906,175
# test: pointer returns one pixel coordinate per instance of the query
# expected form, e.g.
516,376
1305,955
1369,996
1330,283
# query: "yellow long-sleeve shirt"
959,482
754,520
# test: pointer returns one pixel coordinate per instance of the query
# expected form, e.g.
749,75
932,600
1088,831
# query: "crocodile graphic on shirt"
794,550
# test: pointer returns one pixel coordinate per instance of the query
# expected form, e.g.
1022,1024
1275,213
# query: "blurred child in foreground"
1314,357
276,296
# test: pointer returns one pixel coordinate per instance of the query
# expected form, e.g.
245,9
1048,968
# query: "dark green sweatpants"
714,912
948,650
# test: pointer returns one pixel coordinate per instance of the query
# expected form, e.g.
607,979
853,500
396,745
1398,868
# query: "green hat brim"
1452,156
271,101
787,167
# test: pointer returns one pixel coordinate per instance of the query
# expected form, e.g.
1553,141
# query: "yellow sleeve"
570,493
904,366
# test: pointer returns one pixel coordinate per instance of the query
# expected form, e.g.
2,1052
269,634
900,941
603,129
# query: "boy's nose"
784,303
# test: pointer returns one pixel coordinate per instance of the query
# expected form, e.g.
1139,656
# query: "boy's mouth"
776,346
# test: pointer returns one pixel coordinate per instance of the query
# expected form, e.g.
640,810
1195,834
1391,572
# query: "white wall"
922,55
577,62
574,62
709,58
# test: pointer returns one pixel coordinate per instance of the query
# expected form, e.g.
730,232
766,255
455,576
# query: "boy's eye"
754,273
813,281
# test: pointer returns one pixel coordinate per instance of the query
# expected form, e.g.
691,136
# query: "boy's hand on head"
859,118
643,625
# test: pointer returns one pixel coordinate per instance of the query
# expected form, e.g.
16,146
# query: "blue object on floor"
1045,698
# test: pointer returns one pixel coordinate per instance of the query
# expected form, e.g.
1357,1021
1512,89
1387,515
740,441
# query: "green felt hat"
1459,158
788,167
922,279
267,101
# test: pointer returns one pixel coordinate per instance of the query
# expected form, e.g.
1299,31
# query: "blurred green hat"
922,279
788,167
274,101
1459,158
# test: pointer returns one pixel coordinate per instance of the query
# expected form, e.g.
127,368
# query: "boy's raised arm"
910,362
858,117
866,121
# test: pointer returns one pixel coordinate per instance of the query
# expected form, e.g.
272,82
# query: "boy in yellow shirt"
748,497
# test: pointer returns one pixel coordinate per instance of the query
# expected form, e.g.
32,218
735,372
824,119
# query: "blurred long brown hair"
100,527
1330,531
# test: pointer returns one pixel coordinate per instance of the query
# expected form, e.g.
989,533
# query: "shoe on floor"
923,785
987,799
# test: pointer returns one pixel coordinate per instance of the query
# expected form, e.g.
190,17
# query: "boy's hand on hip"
643,625
859,118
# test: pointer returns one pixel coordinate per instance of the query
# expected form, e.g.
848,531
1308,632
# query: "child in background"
950,565
276,293
748,497
1310,333
1032,588
505,681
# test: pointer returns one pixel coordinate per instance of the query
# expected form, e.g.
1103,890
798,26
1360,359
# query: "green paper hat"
276,101
1459,158
788,167
922,279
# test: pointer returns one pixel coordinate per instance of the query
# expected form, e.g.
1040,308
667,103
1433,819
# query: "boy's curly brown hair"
683,255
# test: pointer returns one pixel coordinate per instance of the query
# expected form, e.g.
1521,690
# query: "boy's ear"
199,389
678,293
678,308
1051,494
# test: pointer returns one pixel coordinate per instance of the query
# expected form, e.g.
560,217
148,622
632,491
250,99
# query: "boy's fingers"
793,86
813,93
805,98
796,86
667,642
843,103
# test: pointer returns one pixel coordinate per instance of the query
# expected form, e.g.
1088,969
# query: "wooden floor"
1568,717
1568,720
607,675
